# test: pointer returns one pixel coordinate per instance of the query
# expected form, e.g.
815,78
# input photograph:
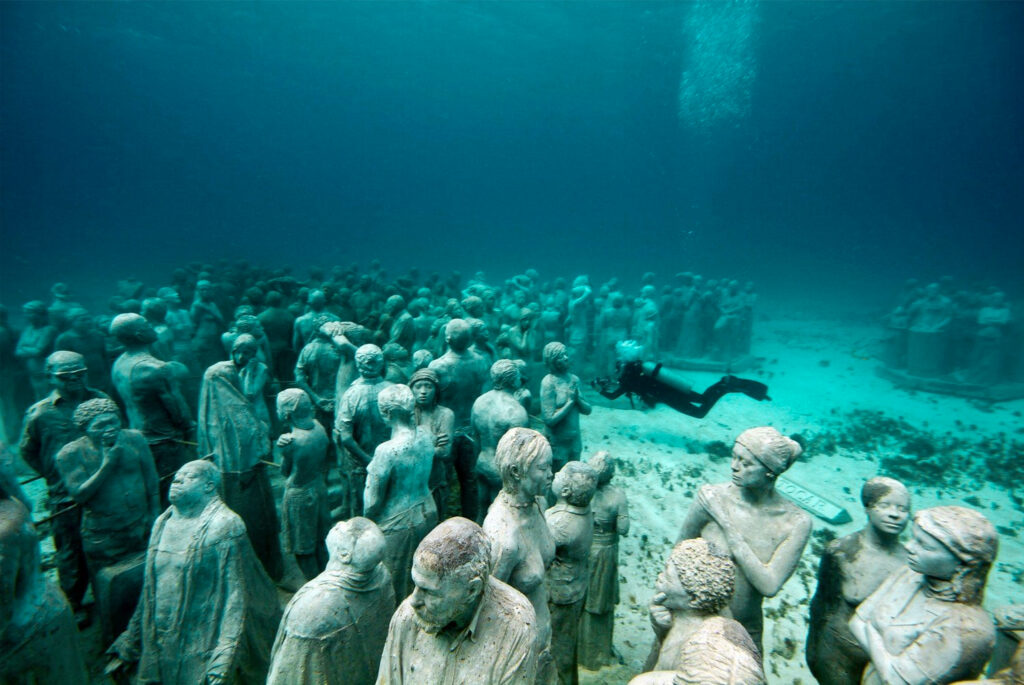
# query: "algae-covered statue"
561,404
305,514
358,425
334,628
38,638
34,344
611,520
152,398
925,624
208,612
571,523
440,422
48,427
109,472
763,532
853,567
398,484
522,548
462,379
494,413
232,431
694,644
461,624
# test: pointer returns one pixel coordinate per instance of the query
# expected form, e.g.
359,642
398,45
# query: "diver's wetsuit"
652,383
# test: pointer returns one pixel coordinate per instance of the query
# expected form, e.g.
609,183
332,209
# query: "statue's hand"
661,617
215,678
285,440
124,649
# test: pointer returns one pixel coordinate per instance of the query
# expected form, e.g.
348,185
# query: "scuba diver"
653,383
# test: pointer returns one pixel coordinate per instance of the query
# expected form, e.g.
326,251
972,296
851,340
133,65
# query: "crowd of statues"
940,330
443,517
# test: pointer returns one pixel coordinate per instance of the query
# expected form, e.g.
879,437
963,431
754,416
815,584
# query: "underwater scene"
687,336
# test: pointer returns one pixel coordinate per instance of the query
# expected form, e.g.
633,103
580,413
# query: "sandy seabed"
823,385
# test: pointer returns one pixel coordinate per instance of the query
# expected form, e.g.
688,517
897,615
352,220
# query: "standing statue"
208,611
522,548
109,472
577,320
316,371
397,484
494,413
462,380
48,426
561,404
611,520
209,324
647,321
38,637
152,400
440,422
34,344
925,624
307,325
358,426
572,528
461,624
853,567
334,629
305,514
694,644
232,431
763,531
86,339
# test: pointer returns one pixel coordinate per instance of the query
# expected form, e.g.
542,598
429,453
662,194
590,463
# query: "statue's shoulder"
510,604
225,524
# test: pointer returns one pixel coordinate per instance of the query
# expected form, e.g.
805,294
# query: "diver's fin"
753,389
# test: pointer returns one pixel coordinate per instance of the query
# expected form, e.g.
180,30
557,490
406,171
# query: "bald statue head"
132,330
458,335
356,543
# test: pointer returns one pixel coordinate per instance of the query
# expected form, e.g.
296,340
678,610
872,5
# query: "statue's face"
560,361
188,486
537,479
438,601
82,323
890,513
241,356
929,557
424,392
70,382
104,429
747,471
668,585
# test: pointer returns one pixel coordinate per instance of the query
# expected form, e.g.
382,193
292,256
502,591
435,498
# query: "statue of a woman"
521,544
764,533
853,567
925,624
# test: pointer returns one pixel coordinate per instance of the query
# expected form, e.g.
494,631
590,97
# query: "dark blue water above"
823,146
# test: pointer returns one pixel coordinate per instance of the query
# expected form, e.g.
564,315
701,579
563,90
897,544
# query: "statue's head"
195,484
426,387
421,359
604,466
394,304
393,352
317,300
357,543
505,375
556,357
576,483
887,503
370,361
154,309
954,544
458,335
132,330
66,370
293,402
698,577
523,459
244,350
762,453
481,334
100,419
169,295
36,312
396,402
450,569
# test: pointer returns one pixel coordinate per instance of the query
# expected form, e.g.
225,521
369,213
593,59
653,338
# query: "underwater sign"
816,504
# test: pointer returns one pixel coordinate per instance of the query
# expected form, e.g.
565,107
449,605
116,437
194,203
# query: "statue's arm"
232,620
696,518
375,492
443,439
81,484
582,405
552,414
930,658
302,379
149,477
504,556
768,577
159,378
30,446
622,516
519,662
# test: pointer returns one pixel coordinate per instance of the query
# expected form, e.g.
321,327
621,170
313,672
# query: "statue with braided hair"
109,472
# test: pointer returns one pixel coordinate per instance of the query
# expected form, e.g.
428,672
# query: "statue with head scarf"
764,532
925,623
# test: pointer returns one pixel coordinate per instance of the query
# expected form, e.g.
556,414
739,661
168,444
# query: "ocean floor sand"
823,385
